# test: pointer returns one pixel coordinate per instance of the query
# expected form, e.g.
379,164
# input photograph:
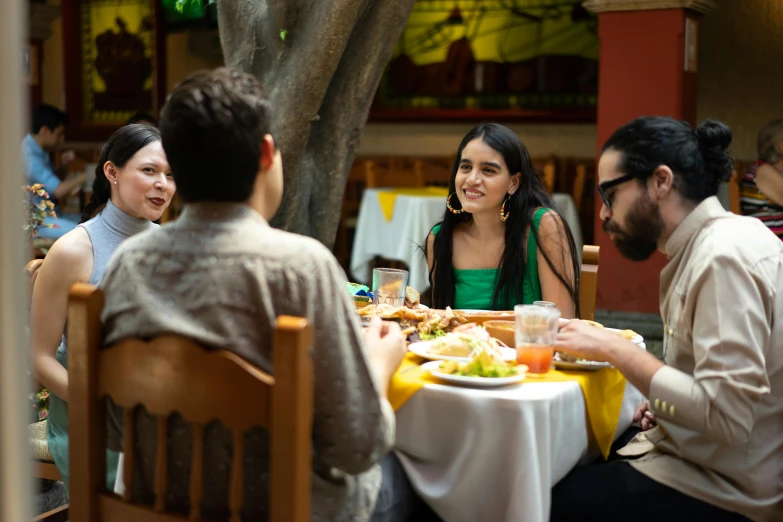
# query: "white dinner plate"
636,340
421,348
582,366
481,382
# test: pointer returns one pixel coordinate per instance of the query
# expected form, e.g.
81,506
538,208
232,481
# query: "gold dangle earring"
452,209
503,213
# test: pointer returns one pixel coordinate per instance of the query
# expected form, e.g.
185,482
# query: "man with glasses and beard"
710,445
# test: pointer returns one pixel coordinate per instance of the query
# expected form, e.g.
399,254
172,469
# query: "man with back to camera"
712,441
221,275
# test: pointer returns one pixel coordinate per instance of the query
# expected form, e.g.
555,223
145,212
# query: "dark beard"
645,227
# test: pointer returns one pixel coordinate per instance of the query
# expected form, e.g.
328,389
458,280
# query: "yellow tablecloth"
408,379
386,198
603,391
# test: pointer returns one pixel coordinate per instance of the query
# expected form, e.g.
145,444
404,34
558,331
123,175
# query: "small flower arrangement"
38,209
41,403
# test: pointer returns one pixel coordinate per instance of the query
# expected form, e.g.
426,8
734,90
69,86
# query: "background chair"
734,191
588,281
42,461
547,170
396,172
173,374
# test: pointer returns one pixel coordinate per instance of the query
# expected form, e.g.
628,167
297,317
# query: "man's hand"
585,341
644,416
385,349
596,344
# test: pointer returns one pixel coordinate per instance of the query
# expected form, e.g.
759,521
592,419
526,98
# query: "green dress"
473,289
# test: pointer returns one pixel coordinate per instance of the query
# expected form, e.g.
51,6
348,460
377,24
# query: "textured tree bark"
321,79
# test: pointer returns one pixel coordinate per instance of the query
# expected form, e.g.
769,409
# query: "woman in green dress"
501,241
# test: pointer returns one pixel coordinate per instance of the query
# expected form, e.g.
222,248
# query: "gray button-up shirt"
221,275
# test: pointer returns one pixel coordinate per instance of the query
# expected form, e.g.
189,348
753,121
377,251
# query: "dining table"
494,453
393,223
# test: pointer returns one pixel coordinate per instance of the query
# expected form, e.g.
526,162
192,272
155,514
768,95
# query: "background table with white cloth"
402,237
494,455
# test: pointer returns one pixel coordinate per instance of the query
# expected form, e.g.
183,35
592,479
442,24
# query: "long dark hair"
119,149
509,284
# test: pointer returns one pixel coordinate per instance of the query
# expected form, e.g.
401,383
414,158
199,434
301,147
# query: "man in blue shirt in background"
46,133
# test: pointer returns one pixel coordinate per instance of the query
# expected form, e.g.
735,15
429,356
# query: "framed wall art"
524,60
114,64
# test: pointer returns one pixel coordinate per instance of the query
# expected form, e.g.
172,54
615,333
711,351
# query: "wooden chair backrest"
734,191
31,270
579,185
588,281
173,374
547,170
394,173
173,211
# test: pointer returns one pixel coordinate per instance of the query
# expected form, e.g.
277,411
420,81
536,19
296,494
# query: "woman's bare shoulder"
72,254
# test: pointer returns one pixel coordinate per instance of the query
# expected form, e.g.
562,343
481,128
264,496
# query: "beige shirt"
719,400
221,275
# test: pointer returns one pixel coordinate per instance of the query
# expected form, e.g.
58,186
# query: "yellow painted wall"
740,82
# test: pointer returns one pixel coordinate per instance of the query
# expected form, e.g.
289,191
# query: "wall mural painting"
505,59
117,59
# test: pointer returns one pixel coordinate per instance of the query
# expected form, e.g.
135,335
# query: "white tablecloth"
476,455
401,237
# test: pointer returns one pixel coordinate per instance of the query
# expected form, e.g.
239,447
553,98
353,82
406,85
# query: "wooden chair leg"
56,515
45,470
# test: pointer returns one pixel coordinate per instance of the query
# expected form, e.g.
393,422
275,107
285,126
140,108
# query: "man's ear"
663,178
268,151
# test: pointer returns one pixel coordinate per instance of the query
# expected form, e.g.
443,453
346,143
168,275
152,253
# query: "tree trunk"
320,62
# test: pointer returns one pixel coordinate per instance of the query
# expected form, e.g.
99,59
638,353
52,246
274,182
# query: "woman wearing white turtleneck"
133,181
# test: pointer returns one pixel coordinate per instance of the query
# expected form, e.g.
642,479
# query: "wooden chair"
547,170
31,271
43,463
588,281
173,374
734,191
396,174
173,211
579,185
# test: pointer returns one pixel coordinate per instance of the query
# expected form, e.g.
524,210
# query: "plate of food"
462,343
480,371
627,334
417,324
480,316
630,335
578,364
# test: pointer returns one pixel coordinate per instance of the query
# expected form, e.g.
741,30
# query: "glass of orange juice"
536,327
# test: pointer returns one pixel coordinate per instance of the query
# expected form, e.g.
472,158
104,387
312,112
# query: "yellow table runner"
603,391
387,198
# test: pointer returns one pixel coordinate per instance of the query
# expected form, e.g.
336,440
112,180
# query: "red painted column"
642,73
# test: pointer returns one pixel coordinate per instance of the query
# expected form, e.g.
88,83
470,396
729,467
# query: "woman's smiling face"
483,180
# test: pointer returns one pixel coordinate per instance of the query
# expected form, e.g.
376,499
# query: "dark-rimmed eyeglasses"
606,185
